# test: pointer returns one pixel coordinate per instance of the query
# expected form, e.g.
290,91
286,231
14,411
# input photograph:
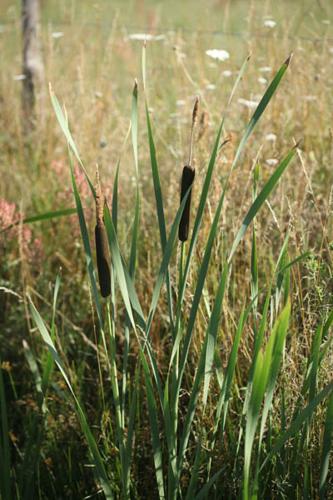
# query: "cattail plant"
101,240
187,181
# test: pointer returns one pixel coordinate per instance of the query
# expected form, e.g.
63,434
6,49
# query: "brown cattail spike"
103,255
186,184
101,241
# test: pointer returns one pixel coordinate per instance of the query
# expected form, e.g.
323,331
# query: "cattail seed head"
186,184
101,241
103,259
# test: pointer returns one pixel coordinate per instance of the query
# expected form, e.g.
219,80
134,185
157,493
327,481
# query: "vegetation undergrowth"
214,411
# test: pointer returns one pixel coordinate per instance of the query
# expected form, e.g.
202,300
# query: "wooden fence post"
32,62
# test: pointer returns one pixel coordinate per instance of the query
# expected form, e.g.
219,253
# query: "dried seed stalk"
187,180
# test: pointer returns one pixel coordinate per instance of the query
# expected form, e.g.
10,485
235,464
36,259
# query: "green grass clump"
213,430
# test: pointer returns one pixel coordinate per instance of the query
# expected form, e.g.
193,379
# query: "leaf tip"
288,60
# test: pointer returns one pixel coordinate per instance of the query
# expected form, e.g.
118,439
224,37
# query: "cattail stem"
187,181
194,120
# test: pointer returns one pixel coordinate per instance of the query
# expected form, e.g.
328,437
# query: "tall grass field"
166,217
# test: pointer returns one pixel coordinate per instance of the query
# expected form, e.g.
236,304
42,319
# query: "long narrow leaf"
260,200
99,466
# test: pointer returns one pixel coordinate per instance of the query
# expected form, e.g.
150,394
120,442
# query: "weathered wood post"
33,70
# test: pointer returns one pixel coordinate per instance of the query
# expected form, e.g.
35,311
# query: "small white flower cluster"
148,37
269,23
218,54
247,103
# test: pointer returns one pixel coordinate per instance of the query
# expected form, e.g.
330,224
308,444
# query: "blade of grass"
53,214
206,356
264,378
211,338
261,108
297,423
86,245
154,429
63,122
326,449
157,188
5,458
93,448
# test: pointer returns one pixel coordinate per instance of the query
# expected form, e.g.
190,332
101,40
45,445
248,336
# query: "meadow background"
91,59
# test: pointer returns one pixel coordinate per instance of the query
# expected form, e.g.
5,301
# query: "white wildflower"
248,104
18,78
141,36
57,34
269,23
270,137
272,161
309,98
227,73
219,54
210,86
265,69
262,80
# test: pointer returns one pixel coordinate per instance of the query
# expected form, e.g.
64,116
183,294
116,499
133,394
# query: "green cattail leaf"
154,429
165,263
53,214
260,109
115,199
258,341
206,488
260,200
211,335
63,122
159,204
281,328
86,245
118,264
